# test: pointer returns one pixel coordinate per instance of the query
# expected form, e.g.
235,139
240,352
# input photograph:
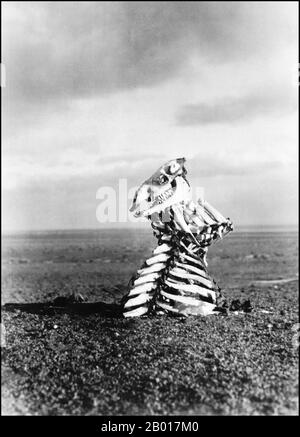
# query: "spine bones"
175,278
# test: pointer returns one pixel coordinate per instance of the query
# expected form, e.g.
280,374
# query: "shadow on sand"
102,308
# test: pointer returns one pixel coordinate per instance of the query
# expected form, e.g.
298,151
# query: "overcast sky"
97,91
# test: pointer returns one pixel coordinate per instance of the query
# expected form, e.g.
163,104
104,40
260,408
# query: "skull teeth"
164,196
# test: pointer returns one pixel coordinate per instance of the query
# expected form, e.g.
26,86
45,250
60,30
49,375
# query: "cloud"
92,171
249,194
73,49
209,166
92,88
238,109
128,159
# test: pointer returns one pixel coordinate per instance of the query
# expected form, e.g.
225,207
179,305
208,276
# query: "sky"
96,92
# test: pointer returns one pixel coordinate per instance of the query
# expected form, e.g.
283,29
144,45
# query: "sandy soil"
84,362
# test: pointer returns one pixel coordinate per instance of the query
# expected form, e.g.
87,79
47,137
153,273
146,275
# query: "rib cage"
146,284
175,278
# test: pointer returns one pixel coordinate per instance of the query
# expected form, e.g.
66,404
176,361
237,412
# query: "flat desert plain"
58,361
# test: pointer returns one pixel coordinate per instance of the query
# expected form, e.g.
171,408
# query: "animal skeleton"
175,278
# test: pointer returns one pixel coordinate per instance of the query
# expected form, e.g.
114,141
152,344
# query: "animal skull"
166,187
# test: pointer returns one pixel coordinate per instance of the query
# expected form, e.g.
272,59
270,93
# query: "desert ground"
79,360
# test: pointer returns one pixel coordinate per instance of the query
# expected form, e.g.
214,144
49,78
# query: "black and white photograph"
149,211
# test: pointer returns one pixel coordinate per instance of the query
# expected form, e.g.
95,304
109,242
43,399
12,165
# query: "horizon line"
136,227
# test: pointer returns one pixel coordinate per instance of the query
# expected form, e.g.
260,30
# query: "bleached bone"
175,278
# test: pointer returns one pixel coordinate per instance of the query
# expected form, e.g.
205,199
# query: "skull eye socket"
163,179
